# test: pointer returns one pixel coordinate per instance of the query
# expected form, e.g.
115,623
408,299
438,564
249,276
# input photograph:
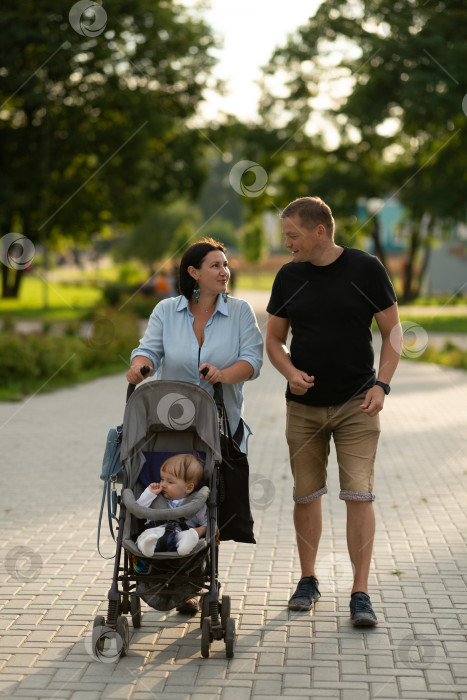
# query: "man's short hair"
311,212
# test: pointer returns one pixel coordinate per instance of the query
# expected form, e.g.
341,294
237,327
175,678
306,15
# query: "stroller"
163,418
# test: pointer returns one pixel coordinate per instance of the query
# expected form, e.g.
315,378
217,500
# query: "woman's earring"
224,296
196,291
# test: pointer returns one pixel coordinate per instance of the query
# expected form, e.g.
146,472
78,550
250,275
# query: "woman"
204,328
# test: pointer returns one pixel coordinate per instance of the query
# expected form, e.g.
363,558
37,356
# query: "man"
328,296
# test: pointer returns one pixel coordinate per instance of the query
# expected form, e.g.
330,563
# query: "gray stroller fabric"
160,509
161,417
159,407
153,594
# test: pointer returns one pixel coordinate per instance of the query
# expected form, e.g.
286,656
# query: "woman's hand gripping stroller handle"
218,392
131,387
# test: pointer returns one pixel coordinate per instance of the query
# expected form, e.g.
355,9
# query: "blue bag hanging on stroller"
111,473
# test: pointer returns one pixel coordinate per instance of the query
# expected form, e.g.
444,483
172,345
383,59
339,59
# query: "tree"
93,126
166,229
401,127
253,241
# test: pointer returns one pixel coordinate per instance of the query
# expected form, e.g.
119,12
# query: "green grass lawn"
439,323
68,301
65,301
261,281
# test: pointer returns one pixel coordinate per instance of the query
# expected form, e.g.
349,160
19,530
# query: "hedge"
41,361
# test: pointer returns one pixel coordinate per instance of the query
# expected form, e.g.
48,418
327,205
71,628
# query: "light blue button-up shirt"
231,334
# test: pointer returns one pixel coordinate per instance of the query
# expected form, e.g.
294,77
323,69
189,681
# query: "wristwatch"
384,386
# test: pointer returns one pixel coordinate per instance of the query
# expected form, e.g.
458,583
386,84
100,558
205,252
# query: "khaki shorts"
309,430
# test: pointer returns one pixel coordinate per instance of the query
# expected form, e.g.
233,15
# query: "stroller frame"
216,622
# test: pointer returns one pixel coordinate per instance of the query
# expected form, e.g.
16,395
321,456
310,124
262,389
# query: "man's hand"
300,382
374,401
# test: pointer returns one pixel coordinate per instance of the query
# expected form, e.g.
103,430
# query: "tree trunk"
375,234
408,294
424,268
423,237
11,274
11,282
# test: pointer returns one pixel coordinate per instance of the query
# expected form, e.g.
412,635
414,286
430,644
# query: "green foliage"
450,355
230,196
253,241
41,362
115,292
129,274
94,127
438,323
130,297
141,306
401,130
164,230
222,230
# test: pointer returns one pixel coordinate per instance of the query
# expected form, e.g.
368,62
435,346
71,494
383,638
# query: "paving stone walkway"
53,582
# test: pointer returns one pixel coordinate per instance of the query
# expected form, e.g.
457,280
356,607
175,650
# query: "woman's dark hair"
194,256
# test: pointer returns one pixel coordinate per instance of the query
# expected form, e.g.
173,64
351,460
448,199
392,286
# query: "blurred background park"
129,130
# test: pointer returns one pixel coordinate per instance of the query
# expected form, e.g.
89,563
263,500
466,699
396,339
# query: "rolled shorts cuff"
311,497
356,496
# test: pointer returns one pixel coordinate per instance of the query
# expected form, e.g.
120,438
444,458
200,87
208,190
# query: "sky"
251,30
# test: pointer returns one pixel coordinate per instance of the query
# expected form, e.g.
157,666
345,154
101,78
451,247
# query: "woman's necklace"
209,309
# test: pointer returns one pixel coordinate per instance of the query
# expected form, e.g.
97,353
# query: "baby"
180,475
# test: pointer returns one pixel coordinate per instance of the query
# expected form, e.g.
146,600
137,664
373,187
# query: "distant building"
447,267
390,218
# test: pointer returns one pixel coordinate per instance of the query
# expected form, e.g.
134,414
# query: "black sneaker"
305,595
361,612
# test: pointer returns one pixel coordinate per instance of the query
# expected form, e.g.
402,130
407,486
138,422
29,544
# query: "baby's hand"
155,487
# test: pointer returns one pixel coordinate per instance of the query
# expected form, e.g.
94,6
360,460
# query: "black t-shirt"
330,309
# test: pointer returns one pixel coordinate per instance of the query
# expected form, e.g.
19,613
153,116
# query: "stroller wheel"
225,610
204,607
123,635
229,637
98,639
135,610
206,637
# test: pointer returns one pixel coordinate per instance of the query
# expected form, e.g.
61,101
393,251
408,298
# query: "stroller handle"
131,387
218,392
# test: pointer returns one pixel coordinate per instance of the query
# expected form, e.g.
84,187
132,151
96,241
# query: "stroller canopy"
169,406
